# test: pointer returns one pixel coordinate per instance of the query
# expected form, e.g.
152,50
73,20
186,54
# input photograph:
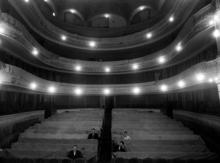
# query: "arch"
74,12
107,21
141,12
72,18
50,7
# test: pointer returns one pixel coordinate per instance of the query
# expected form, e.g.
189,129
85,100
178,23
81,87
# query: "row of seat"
54,137
154,135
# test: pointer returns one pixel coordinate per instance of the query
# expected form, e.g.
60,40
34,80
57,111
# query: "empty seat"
55,136
155,136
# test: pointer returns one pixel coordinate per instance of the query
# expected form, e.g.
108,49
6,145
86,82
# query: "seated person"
5,153
120,147
75,153
93,134
1,152
126,136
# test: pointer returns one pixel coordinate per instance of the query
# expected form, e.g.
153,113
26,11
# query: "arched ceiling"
187,38
107,49
86,9
28,26
23,79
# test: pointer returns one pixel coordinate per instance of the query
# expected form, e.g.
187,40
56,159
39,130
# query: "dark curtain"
205,100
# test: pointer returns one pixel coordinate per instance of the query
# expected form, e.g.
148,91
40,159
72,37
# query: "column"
218,90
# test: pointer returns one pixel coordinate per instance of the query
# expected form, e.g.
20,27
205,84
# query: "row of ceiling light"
199,78
135,66
93,44
78,67
162,59
107,15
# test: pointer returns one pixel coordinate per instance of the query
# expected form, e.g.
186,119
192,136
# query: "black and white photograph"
109,81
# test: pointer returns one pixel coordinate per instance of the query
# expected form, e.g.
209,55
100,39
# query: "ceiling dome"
105,14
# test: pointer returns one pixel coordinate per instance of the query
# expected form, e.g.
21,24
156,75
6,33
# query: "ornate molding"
52,33
15,76
18,34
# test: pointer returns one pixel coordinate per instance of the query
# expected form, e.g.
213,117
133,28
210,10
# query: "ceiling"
105,14
74,42
53,49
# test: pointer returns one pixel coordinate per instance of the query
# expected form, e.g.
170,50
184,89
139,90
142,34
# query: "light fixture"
211,22
216,79
78,91
45,0
2,30
181,84
92,44
35,52
106,91
211,80
164,88
136,90
1,78
216,33
63,37
107,69
161,59
141,8
51,90
72,11
179,47
135,66
33,86
78,68
216,17
54,14
107,15
26,1
200,77
171,19
149,35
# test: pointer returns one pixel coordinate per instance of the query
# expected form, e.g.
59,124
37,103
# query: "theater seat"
155,136
54,137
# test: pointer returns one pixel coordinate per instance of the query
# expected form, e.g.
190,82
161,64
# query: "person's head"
125,132
93,130
75,148
121,143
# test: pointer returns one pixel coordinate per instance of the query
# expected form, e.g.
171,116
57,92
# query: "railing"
194,26
20,78
48,30
12,125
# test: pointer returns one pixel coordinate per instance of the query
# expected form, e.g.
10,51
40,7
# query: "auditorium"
109,81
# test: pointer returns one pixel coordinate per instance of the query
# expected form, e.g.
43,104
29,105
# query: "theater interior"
141,77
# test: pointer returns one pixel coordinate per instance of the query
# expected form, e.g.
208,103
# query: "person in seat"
5,153
75,153
120,147
126,136
93,134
